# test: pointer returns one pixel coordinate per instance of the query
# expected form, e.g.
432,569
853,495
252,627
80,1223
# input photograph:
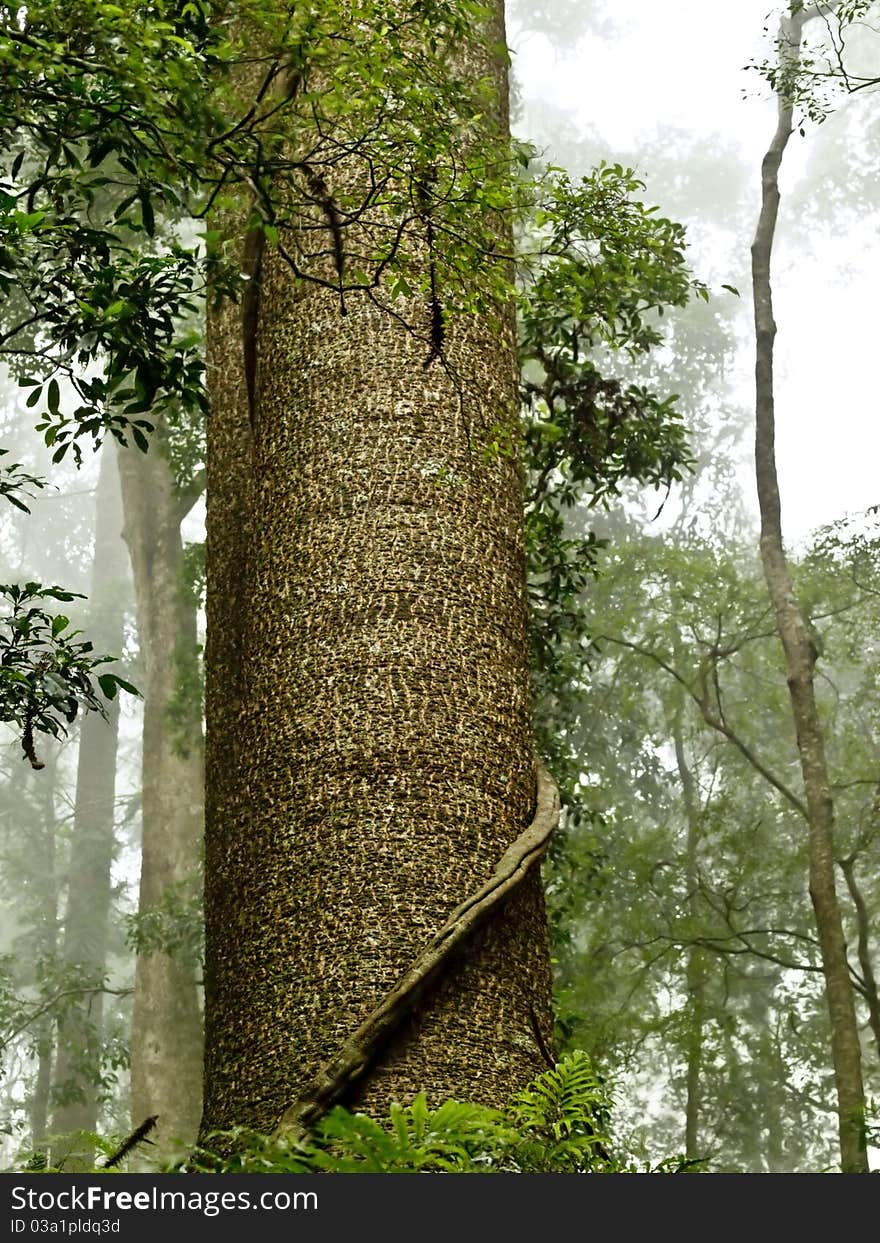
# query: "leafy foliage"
609,268
838,57
85,116
146,114
46,670
15,479
173,926
56,992
556,1125
692,943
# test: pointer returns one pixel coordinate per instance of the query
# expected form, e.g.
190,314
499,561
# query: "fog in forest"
687,960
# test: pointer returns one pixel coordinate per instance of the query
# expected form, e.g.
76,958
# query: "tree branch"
714,721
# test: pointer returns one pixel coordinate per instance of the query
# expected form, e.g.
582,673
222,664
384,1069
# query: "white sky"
681,63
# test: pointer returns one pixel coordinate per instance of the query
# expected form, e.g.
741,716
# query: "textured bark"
166,1048
89,891
800,658
359,1053
369,746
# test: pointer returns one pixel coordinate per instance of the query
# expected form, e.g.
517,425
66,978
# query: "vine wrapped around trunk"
369,746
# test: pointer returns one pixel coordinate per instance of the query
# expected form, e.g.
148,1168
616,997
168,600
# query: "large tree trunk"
800,659
166,1046
89,891
369,734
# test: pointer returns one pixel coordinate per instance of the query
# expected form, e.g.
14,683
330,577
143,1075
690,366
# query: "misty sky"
682,64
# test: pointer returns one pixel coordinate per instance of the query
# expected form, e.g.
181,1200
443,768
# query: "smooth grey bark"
801,655
46,942
695,968
89,894
166,1042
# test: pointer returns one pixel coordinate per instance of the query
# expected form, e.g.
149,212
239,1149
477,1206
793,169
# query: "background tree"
687,960
166,1042
801,654
78,1070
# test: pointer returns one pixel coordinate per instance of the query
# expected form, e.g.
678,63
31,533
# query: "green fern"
561,1120
560,1123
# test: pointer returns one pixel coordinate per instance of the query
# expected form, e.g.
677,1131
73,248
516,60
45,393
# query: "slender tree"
89,890
695,970
166,1042
45,946
800,648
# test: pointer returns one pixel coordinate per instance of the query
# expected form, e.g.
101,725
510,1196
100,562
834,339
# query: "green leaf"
100,151
108,685
147,212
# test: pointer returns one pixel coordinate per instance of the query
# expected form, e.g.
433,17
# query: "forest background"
687,962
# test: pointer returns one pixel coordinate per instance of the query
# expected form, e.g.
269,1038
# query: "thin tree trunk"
800,658
369,745
46,946
166,1044
695,969
89,894
38,1108
863,932
770,1102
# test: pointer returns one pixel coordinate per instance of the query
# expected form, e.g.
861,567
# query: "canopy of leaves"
116,120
